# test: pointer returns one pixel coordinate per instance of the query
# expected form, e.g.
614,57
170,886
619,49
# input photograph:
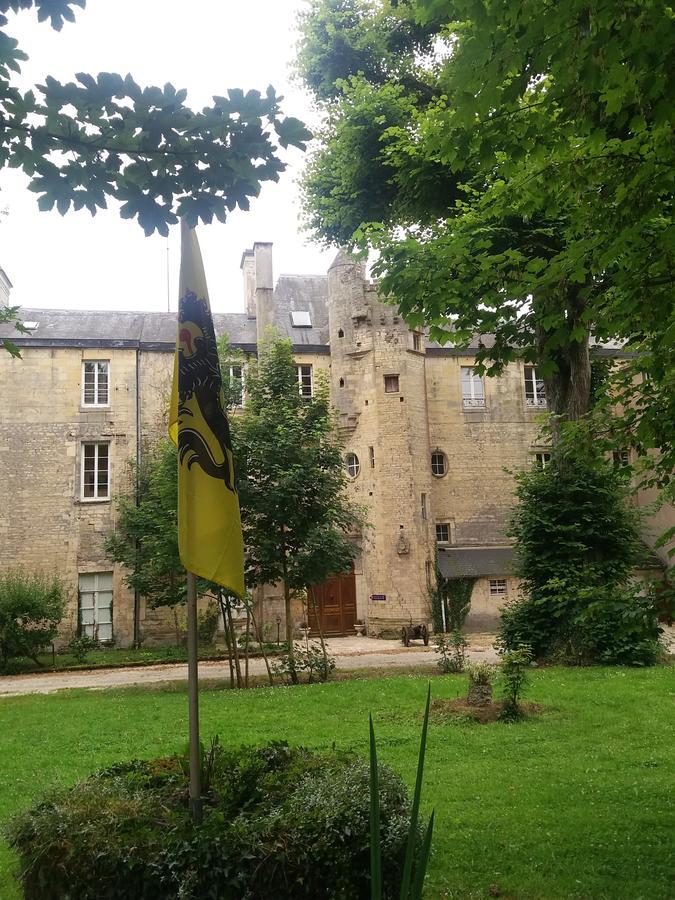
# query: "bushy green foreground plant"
309,659
31,607
513,680
278,823
577,543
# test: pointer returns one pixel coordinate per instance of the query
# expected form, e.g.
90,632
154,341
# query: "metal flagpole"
193,701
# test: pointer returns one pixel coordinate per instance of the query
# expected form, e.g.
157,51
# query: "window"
340,333
301,319
417,340
535,395
424,505
352,465
542,459
442,533
342,382
371,454
235,374
305,381
95,379
438,463
498,587
95,472
95,605
391,384
473,389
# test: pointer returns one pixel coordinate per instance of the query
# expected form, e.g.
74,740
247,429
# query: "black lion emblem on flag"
199,378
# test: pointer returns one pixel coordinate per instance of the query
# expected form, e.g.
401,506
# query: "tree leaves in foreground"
105,136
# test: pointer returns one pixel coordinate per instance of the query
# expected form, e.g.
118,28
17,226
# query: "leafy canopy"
104,136
515,173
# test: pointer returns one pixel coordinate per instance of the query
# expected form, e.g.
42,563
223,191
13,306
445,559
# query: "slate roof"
473,562
154,330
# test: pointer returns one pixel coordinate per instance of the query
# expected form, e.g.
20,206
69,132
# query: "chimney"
264,288
5,288
247,267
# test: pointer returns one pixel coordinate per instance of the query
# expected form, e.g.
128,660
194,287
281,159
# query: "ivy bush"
577,543
279,823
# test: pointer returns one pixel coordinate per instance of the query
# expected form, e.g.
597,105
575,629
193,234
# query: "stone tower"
378,387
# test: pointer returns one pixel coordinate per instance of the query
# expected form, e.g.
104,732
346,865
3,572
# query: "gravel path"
350,653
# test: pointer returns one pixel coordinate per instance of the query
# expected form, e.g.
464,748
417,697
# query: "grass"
574,803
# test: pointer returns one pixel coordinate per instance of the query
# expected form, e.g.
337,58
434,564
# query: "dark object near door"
415,633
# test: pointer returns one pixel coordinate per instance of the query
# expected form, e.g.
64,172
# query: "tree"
298,524
31,608
515,173
577,543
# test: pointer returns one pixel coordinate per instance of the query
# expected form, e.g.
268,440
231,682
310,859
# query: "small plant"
452,652
513,679
310,659
481,676
416,855
80,647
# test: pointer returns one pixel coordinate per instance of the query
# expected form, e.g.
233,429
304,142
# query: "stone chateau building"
427,447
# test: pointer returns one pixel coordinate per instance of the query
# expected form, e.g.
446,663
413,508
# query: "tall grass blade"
414,814
375,849
421,868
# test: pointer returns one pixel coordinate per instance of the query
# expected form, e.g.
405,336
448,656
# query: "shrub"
31,607
279,823
81,647
577,541
452,652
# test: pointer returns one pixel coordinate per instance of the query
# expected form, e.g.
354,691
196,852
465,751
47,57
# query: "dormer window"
301,319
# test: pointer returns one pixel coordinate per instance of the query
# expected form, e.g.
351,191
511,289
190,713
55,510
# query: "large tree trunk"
568,390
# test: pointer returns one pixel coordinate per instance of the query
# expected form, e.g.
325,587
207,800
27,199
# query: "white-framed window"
423,505
535,394
442,532
439,464
541,458
391,384
417,341
95,471
95,382
498,587
235,373
95,605
352,465
473,388
305,381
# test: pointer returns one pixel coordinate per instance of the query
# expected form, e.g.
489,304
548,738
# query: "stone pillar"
247,267
264,289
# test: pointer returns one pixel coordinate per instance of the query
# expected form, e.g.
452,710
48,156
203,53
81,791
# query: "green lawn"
575,803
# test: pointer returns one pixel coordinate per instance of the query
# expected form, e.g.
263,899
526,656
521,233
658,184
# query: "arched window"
352,465
439,464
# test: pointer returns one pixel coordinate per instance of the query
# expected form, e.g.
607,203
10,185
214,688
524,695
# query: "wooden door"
335,602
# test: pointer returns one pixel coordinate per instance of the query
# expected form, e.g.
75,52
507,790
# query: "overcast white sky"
205,46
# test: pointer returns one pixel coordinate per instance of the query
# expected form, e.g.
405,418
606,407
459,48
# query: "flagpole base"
193,701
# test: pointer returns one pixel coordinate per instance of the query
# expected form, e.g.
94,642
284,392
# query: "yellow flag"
209,526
